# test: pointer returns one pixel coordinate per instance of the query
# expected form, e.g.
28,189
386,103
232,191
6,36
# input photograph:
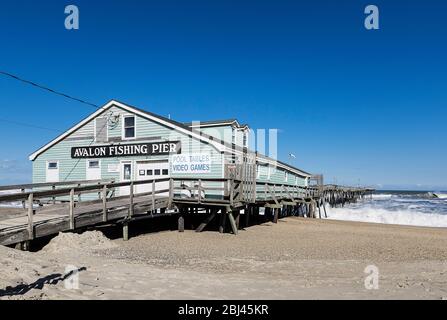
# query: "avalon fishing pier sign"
124,150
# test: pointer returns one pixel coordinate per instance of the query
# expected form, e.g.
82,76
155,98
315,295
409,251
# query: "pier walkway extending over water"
50,208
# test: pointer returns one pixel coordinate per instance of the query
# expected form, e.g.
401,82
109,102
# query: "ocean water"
10,204
415,208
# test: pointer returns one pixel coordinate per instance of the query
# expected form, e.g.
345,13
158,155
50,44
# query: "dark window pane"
165,172
127,172
130,132
129,122
52,165
157,172
150,172
93,164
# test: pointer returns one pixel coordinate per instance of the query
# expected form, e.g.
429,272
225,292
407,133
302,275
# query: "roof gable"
142,113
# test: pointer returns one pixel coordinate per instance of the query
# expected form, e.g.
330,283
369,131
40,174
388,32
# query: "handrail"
77,190
236,188
51,184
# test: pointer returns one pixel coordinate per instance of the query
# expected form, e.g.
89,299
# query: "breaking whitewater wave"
10,204
404,208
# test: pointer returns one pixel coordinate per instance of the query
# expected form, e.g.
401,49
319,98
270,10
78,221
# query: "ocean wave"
386,216
381,196
14,204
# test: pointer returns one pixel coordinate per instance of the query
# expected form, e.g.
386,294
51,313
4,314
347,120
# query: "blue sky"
356,105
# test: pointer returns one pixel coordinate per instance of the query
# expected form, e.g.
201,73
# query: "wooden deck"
52,208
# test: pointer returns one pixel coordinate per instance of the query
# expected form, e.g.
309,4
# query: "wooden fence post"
131,199
153,195
30,217
171,193
232,192
71,214
104,203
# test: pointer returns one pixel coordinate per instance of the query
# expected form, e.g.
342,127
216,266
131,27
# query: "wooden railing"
233,192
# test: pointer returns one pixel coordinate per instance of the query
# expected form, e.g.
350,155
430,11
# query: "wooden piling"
30,217
276,215
232,222
223,221
181,221
125,231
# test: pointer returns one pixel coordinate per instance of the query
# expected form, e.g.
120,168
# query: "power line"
28,125
48,89
12,76
57,93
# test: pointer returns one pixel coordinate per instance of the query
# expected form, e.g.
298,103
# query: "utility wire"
57,93
12,76
7,74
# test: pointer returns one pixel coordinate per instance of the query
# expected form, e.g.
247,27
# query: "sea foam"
413,213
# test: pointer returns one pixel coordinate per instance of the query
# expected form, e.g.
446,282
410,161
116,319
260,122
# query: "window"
269,173
129,127
157,172
258,171
286,176
142,173
296,181
245,139
233,135
53,165
101,129
93,164
165,172
127,173
150,172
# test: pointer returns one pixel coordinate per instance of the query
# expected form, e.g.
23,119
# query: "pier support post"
232,222
266,214
23,246
276,215
247,216
125,231
324,208
181,221
223,221
238,220
319,208
207,221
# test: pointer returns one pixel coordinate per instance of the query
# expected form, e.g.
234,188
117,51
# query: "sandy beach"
294,259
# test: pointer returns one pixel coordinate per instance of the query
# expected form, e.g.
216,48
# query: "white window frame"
87,167
123,126
91,160
58,169
132,171
107,129
52,161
